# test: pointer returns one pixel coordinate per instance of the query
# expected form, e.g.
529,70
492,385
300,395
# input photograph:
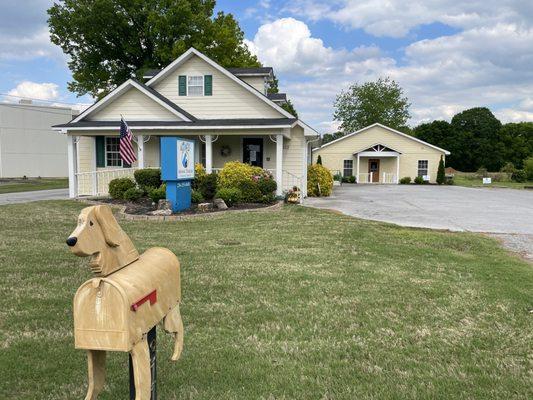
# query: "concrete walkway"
505,212
37,195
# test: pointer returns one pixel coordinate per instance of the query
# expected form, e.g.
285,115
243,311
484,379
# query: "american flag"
125,147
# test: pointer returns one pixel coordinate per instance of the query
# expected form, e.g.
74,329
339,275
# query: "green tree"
329,137
483,147
273,88
441,174
517,139
365,104
319,160
110,41
289,107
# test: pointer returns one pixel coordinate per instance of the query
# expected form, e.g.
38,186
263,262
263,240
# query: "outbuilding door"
373,166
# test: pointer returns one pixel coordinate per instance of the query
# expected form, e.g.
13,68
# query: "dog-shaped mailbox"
129,295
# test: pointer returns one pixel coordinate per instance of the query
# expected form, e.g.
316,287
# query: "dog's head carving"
99,236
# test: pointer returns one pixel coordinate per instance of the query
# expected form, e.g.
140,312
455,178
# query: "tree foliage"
110,41
274,88
441,173
365,104
329,137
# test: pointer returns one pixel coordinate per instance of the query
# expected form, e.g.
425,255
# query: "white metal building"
28,145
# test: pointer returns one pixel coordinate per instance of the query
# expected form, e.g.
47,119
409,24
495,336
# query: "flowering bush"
254,183
319,181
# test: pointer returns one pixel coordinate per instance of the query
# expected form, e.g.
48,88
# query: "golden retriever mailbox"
129,295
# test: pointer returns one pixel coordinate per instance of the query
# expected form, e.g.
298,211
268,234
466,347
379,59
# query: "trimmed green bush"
133,194
267,185
319,181
351,179
528,167
196,197
207,185
441,175
519,176
148,178
230,196
419,180
337,177
118,186
250,192
158,194
405,180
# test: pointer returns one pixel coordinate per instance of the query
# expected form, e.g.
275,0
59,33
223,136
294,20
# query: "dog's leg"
174,324
96,372
140,358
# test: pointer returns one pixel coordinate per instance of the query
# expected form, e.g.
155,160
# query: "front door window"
373,166
252,151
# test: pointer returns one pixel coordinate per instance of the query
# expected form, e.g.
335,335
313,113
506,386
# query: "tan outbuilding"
379,154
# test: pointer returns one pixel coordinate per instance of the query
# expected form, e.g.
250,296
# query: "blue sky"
447,55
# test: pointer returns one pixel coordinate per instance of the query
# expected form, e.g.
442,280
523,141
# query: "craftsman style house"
379,154
227,112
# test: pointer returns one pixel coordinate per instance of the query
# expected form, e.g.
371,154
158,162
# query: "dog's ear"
110,227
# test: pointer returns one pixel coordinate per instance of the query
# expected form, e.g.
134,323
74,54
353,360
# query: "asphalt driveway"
505,212
36,195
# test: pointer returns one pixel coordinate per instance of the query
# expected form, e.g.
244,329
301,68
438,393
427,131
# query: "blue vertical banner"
177,170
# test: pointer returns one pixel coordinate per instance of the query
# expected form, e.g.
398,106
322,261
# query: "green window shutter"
100,151
182,85
208,85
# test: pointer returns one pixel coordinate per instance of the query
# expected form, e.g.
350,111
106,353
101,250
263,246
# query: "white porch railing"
290,181
389,178
96,183
386,178
365,178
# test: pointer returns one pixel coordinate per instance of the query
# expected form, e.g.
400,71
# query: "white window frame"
195,86
422,169
344,168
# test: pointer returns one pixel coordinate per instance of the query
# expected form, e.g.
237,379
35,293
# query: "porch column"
140,151
397,169
72,167
197,144
357,177
279,164
208,154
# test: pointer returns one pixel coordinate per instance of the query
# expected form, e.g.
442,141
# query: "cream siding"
257,82
411,151
293,157
229,99
133,105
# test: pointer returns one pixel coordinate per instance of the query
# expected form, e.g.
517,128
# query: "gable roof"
193,52
154,95
390,130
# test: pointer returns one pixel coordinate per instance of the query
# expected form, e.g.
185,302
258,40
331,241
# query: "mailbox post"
177,170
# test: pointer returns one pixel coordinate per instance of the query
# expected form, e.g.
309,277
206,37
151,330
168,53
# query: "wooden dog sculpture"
129,295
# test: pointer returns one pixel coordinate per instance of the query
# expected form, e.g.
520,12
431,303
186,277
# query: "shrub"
508,168
337,177
234,173
207,185
528,167
319,180
319,160
449,180
405,180
419,180
118,186
345,179
199,174
441,176
268,198
133,194
519,175
148,178
351,179
250,191
482,172
230,196
158,194
196,197
267,185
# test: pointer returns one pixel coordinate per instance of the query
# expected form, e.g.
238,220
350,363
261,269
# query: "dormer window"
195,85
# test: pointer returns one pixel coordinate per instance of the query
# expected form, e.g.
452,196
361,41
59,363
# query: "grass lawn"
295,304
472,180
30,184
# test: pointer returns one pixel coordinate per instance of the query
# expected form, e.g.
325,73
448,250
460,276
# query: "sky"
447,55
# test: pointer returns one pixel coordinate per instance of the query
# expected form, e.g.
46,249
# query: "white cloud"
34,90
396,18
26,47
483,66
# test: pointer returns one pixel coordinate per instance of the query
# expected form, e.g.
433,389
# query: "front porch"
377,165
94,160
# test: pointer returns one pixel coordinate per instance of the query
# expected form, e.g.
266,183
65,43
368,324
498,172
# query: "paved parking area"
36,195
505,212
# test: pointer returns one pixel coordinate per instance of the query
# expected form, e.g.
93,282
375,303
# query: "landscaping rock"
164,205
161,212
204,207
220,204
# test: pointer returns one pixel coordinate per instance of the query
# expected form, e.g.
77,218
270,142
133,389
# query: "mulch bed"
144,205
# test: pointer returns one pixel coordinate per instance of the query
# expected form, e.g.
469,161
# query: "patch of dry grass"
297,304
